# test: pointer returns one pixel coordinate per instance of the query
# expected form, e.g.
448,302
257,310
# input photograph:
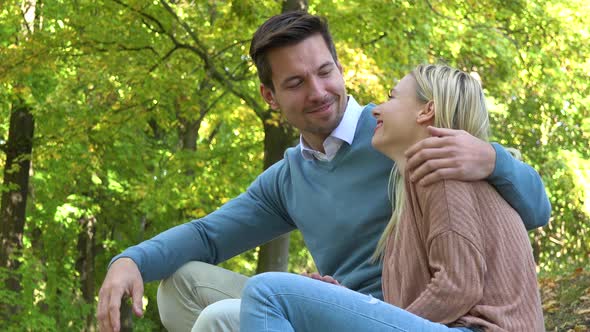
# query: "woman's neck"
398,153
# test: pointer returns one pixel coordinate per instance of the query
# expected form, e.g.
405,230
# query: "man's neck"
315,142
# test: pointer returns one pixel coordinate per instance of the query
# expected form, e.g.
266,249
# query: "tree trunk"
274,255
85,263
292,5
16,182
126,315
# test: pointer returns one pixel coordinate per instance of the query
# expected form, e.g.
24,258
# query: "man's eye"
294,85
325,73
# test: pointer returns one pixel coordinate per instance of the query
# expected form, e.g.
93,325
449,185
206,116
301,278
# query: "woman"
456,256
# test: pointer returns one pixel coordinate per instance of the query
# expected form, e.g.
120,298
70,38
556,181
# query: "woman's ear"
269,97
426,114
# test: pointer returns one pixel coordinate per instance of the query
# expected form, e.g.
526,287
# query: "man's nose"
316,88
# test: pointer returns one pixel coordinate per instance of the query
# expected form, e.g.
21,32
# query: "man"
332,187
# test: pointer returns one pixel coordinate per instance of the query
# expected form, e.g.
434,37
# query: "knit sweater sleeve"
455,251
251,219
522,187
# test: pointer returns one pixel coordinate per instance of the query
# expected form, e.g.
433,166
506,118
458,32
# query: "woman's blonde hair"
459,103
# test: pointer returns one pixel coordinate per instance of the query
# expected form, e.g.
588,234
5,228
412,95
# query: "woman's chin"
379,146
375,143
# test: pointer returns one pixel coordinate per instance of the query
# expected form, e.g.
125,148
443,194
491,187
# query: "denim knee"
261,286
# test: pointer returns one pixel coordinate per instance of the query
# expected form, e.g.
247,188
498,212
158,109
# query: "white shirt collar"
343,133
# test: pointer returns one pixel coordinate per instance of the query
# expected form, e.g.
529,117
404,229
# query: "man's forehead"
298,58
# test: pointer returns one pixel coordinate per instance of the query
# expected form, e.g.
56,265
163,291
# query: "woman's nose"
376,112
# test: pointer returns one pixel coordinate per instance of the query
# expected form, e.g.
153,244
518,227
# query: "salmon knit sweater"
462,257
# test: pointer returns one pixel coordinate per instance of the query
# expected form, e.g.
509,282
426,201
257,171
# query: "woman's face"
397,119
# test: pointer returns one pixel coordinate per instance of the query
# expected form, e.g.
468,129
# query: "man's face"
308,88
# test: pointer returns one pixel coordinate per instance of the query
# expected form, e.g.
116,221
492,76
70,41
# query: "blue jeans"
288,302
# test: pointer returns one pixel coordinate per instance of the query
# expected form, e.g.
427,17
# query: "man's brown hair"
285,30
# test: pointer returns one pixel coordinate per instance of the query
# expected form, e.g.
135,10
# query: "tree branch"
166,56
373,41
142,13
225,49
206,110
200,50
23,11
504,32
209,67
120,47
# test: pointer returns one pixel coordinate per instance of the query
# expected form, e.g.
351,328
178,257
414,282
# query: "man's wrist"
491,157
121,258
500,163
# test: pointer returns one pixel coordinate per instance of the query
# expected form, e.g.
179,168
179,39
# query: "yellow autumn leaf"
583,311
549,305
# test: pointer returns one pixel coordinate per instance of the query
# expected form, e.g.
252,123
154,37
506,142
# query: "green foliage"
49,299
117,89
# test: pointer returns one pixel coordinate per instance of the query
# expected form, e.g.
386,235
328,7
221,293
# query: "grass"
566,301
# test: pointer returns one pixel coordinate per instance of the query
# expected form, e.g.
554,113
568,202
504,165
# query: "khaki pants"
201,297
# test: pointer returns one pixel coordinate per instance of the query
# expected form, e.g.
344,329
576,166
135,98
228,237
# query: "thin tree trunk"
293,5
274,255
14,200
126,315
85,263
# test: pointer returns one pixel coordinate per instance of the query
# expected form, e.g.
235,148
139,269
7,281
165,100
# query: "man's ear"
426,114
269,96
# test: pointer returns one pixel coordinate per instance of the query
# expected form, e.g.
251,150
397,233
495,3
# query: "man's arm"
457,155
251,219
241,224
521,186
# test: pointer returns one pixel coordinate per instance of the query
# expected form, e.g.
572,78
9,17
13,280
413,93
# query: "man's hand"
326,278
123,279
450,154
